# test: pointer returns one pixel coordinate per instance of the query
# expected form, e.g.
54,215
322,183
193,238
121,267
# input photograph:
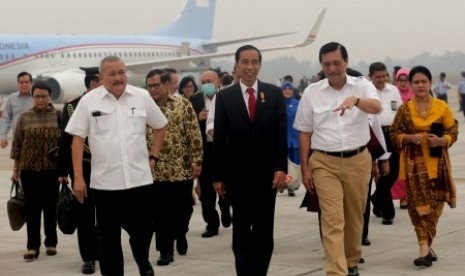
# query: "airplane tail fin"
195,20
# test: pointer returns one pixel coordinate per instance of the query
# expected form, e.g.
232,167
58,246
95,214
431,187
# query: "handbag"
311,202
67,208
16,207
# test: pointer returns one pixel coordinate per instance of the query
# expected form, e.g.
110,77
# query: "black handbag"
67,208
16,207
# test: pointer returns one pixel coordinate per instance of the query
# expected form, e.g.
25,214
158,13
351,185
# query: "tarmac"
297,249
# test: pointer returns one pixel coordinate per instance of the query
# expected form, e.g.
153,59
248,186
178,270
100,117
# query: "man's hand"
348,103
80,189
279,181
4,143
307,180
203,114
219,188
196,169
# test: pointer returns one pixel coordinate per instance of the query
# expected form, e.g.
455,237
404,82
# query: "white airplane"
185,44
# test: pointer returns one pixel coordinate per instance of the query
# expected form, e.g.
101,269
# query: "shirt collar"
244,87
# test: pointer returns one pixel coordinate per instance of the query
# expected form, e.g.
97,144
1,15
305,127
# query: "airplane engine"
65,86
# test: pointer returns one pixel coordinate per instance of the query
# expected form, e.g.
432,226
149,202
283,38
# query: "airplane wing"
227,42
143,67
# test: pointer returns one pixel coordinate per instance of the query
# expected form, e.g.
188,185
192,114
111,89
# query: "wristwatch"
154,158
357,101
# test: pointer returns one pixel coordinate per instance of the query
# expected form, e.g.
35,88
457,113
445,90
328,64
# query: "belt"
344,154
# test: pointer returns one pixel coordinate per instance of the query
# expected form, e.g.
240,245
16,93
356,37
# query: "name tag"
393,105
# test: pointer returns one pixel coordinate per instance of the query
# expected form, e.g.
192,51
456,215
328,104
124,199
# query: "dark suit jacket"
246,154
198,103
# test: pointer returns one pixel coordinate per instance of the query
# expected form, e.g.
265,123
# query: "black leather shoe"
88,267
366,242
378,213
165,259
209,233
361,261
148,272
51,251
181,245
226,219
31,256
387,221
353,271
424,261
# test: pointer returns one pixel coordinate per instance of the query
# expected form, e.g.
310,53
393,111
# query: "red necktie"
252,102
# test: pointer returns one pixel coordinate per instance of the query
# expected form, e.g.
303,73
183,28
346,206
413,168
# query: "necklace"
423,112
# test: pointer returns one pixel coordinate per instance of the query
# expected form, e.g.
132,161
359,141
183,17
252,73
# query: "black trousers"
462,104
41,194
382,197
173,203
207,192
366,215
129,210
253,224
87,228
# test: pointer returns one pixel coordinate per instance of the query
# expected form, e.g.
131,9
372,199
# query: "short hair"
353,73
442,75
376,66
165,77
332,47
288,78
246,48
152,73
463,74
227,80
184,82
420,69
108,59
89,79
41,85
22,74
170,70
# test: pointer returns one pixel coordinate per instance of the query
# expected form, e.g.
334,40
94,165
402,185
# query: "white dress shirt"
390,101
332,132
117,139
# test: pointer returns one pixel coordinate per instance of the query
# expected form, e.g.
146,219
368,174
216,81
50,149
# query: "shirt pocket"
102,123
137,119
321,115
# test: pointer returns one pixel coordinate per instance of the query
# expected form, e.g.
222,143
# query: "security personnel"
87,232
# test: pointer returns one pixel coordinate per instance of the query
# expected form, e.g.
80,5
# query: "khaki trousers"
341,184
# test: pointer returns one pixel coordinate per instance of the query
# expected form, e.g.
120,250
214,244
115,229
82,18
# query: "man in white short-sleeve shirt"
333,122
113,119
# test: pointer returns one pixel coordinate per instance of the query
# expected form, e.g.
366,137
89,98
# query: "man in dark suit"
250,160
202,103
87,231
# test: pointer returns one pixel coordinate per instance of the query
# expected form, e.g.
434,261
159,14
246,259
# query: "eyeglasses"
402,80
152,86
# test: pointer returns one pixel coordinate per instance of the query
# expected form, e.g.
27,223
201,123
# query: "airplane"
185,44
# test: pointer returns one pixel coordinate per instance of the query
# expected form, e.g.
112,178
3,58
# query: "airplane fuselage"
41,55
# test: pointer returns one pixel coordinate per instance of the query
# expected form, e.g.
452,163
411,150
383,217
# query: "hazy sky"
370,29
